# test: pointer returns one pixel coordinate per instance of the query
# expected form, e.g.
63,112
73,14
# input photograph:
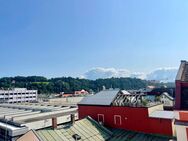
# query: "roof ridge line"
99,125
35,132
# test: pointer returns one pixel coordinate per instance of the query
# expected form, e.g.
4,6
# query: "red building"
182,87
181,104
117,109
82,92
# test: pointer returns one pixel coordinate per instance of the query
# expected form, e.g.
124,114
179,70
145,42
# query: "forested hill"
69,84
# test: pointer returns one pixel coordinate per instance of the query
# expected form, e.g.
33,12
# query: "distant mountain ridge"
161,74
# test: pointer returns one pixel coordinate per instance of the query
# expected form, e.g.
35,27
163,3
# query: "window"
184,98
117,120
101,118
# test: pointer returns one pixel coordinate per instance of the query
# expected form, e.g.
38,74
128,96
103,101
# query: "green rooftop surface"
87,128
124,135
90,130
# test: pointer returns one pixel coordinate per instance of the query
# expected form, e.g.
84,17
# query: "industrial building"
18,95
17,119
120,110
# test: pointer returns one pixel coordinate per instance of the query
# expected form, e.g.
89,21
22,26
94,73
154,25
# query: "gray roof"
183,71
104,97
167,95
125,92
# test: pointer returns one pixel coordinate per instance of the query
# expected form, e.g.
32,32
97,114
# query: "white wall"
181,133
68,100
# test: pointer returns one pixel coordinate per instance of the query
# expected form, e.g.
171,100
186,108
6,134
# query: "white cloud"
140,75
161,74
96,73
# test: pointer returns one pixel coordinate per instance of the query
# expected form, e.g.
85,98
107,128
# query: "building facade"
182,87
114,109
181,103
18,95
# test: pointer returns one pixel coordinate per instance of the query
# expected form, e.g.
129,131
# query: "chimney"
72,119
54,122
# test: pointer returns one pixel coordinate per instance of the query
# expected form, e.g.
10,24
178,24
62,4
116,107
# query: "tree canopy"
69,84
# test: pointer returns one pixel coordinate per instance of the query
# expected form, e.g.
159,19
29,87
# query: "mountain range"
160,74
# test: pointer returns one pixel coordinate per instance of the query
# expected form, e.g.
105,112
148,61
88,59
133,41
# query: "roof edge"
104,128
180,71
34,132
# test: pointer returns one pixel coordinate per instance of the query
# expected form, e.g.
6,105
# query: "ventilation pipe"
72,119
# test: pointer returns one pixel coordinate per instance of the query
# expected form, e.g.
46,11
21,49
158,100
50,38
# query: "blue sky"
69,37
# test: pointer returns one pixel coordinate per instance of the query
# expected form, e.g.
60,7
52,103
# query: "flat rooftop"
163,114
26,113
12,127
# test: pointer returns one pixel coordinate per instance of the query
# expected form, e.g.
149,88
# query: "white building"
18,95
167,100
